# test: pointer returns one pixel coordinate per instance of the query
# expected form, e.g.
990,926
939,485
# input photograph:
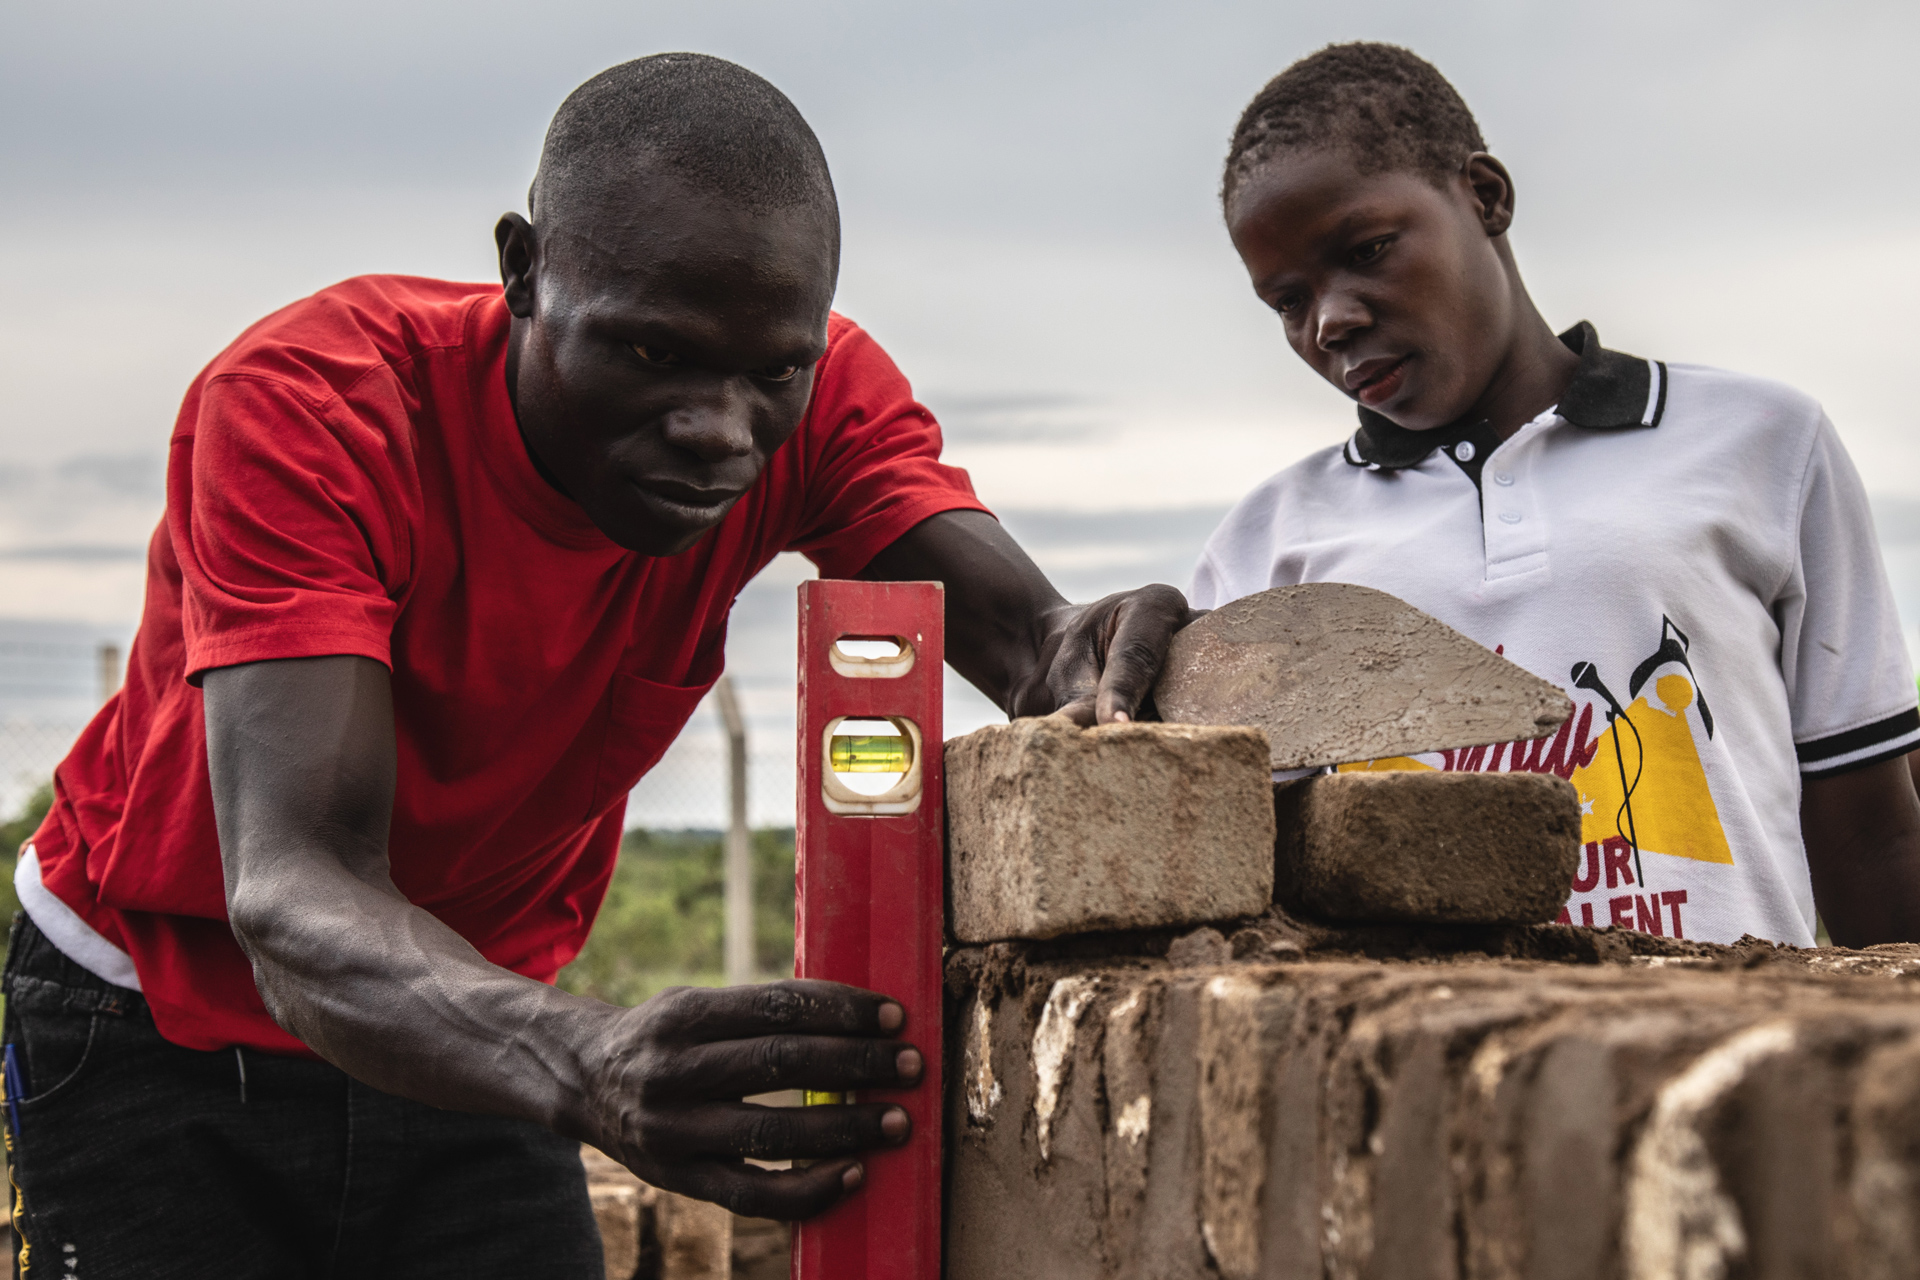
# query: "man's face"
663,347
1389,287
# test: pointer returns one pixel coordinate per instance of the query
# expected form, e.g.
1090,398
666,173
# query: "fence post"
109,669
739,853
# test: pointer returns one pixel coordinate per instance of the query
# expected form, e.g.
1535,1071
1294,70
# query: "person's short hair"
711,123
1385,106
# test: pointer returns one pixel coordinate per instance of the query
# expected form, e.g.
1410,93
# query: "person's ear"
1492,188
518,245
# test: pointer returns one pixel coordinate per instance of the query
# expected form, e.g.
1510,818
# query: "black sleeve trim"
1898,728
1899,752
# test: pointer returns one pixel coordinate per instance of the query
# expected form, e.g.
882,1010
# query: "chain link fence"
50,690
29,748
52,678
687,790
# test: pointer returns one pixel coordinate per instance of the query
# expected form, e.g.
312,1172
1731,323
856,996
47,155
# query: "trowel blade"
1337,673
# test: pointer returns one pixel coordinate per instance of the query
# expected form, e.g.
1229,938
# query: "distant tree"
663,921
13,834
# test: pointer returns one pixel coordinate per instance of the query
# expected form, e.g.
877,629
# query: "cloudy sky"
1028,191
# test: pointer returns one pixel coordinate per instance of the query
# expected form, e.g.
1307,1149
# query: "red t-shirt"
347,478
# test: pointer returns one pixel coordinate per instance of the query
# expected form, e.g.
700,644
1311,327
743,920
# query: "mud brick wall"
650,1234
1428,1104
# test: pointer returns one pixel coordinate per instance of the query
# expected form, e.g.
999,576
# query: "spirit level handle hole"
871,657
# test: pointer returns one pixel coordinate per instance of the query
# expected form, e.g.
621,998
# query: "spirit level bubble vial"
870,892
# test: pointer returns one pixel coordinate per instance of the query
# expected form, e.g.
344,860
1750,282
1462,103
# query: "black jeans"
134,1157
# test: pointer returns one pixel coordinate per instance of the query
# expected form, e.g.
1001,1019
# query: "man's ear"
519,247
1492,188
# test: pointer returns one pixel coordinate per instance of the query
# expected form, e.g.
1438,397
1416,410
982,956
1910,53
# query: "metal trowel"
1337,673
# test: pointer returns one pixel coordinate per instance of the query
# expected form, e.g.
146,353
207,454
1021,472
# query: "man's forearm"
301,756
997,598
393,997
1862,835
1017,640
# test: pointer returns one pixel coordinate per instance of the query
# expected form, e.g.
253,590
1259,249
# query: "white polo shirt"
1689,553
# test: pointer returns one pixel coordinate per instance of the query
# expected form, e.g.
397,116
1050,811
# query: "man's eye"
1288,303
659,357
778,373
1371,249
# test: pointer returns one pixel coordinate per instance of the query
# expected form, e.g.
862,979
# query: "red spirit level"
870,888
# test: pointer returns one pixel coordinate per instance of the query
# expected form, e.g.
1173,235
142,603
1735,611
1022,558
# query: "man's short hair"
1385,106
712,123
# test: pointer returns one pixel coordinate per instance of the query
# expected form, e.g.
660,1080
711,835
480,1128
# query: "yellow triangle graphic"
1387,764
1673,809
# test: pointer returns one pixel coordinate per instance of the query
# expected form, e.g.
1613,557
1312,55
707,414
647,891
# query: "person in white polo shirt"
1687,551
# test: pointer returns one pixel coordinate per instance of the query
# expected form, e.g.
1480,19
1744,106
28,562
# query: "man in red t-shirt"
444,570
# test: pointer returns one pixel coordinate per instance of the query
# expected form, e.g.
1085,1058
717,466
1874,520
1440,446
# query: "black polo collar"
1610,391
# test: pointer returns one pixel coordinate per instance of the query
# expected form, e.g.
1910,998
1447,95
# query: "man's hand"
1098,661
1862,833
675,1068
1013,636
301,754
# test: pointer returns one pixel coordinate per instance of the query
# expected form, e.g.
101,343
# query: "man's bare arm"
1862,832
1013,636
302,758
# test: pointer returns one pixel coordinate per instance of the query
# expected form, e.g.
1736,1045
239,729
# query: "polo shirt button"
1503,477
1510,517
1464,451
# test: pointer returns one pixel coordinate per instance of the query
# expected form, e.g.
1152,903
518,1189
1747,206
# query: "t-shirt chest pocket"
643,717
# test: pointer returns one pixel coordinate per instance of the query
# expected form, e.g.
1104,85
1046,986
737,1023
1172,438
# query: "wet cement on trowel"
1275,1097
1335,672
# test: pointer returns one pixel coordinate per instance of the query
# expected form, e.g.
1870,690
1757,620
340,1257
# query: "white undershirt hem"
75,938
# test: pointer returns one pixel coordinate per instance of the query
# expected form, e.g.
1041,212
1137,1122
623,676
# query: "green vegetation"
662,922
13,834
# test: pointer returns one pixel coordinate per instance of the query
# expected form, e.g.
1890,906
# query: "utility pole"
739,851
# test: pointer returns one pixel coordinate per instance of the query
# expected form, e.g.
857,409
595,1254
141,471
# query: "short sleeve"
284,520
1245,553
870,455
1849,680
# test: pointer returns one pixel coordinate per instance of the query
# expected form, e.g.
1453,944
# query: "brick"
1885,1184
622,1209
696,1239
1446,848
1452,1117
1054,829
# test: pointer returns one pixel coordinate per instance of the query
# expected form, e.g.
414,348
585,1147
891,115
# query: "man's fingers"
752,1192
1082,710
1141,628
742,1129
736,1068
692,1014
